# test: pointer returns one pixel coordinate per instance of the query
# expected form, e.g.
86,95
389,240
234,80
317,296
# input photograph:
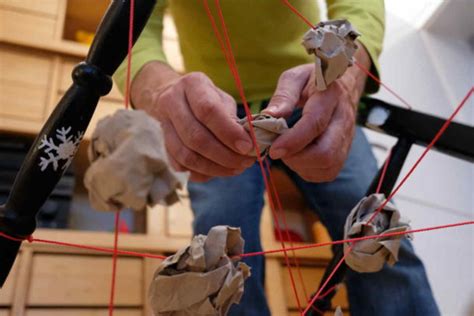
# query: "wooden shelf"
64,47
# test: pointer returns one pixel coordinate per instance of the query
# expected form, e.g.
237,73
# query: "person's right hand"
199,121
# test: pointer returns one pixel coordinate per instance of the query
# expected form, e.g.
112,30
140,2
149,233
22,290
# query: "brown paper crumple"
129,166
202,279
267,128
333,44
338,311
370,255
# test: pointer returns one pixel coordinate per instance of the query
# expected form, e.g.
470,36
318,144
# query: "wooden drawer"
65,80
24,81
43,7
25,26
81,280
6,297
82,312
311,278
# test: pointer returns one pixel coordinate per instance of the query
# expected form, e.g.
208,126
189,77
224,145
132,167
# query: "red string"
375,78
298,13
370,74
381,207
356,239
286,229
228,52
32,239
427,149
127,101
414,166
129,56
114,264
317,295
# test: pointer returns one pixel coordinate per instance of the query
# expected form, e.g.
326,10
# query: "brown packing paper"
202,279
267,128
129,166
370,255
338,311
333,44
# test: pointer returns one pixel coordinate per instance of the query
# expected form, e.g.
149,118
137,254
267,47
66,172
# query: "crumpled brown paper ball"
267,128
129,166
370,255
333,44
202,279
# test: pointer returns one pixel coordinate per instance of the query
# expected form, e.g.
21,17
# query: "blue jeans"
237,201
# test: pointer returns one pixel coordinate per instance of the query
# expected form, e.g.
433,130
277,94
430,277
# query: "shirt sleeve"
148,47
368,18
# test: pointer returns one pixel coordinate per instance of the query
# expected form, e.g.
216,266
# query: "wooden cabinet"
81,312
31,20
8,290
25,80
82,280
37,55
38,52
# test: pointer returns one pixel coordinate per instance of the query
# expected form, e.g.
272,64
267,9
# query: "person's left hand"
317,146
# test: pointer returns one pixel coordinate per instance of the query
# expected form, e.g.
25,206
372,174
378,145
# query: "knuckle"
204,109
193,77
290,74
317,126
282,97
188,158
197,138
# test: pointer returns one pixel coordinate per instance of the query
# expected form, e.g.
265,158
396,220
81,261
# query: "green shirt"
265,35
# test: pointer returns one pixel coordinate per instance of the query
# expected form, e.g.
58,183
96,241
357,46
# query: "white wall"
428,60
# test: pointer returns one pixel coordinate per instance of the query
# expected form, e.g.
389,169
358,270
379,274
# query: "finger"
316,116
197,177
197,137
176,166
289,90
317,175
330,150
189,159
218,114
194,176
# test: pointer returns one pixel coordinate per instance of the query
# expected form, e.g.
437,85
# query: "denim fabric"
237,201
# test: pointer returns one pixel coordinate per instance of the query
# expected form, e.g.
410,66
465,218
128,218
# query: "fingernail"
270,111
243,146
277,153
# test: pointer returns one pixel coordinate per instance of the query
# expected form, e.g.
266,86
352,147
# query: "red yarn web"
273,198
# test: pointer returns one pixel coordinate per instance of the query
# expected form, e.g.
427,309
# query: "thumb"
289,91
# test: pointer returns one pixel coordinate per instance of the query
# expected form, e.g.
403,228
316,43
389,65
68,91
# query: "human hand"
199,122
317,146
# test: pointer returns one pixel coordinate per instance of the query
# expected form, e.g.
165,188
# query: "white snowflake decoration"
64,151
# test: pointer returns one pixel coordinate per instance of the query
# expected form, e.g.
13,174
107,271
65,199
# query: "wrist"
153,78
362,58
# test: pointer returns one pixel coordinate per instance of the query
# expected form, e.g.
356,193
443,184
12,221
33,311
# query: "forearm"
355,79
154,77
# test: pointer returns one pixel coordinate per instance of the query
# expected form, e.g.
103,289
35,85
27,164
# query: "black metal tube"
56,144
395,162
